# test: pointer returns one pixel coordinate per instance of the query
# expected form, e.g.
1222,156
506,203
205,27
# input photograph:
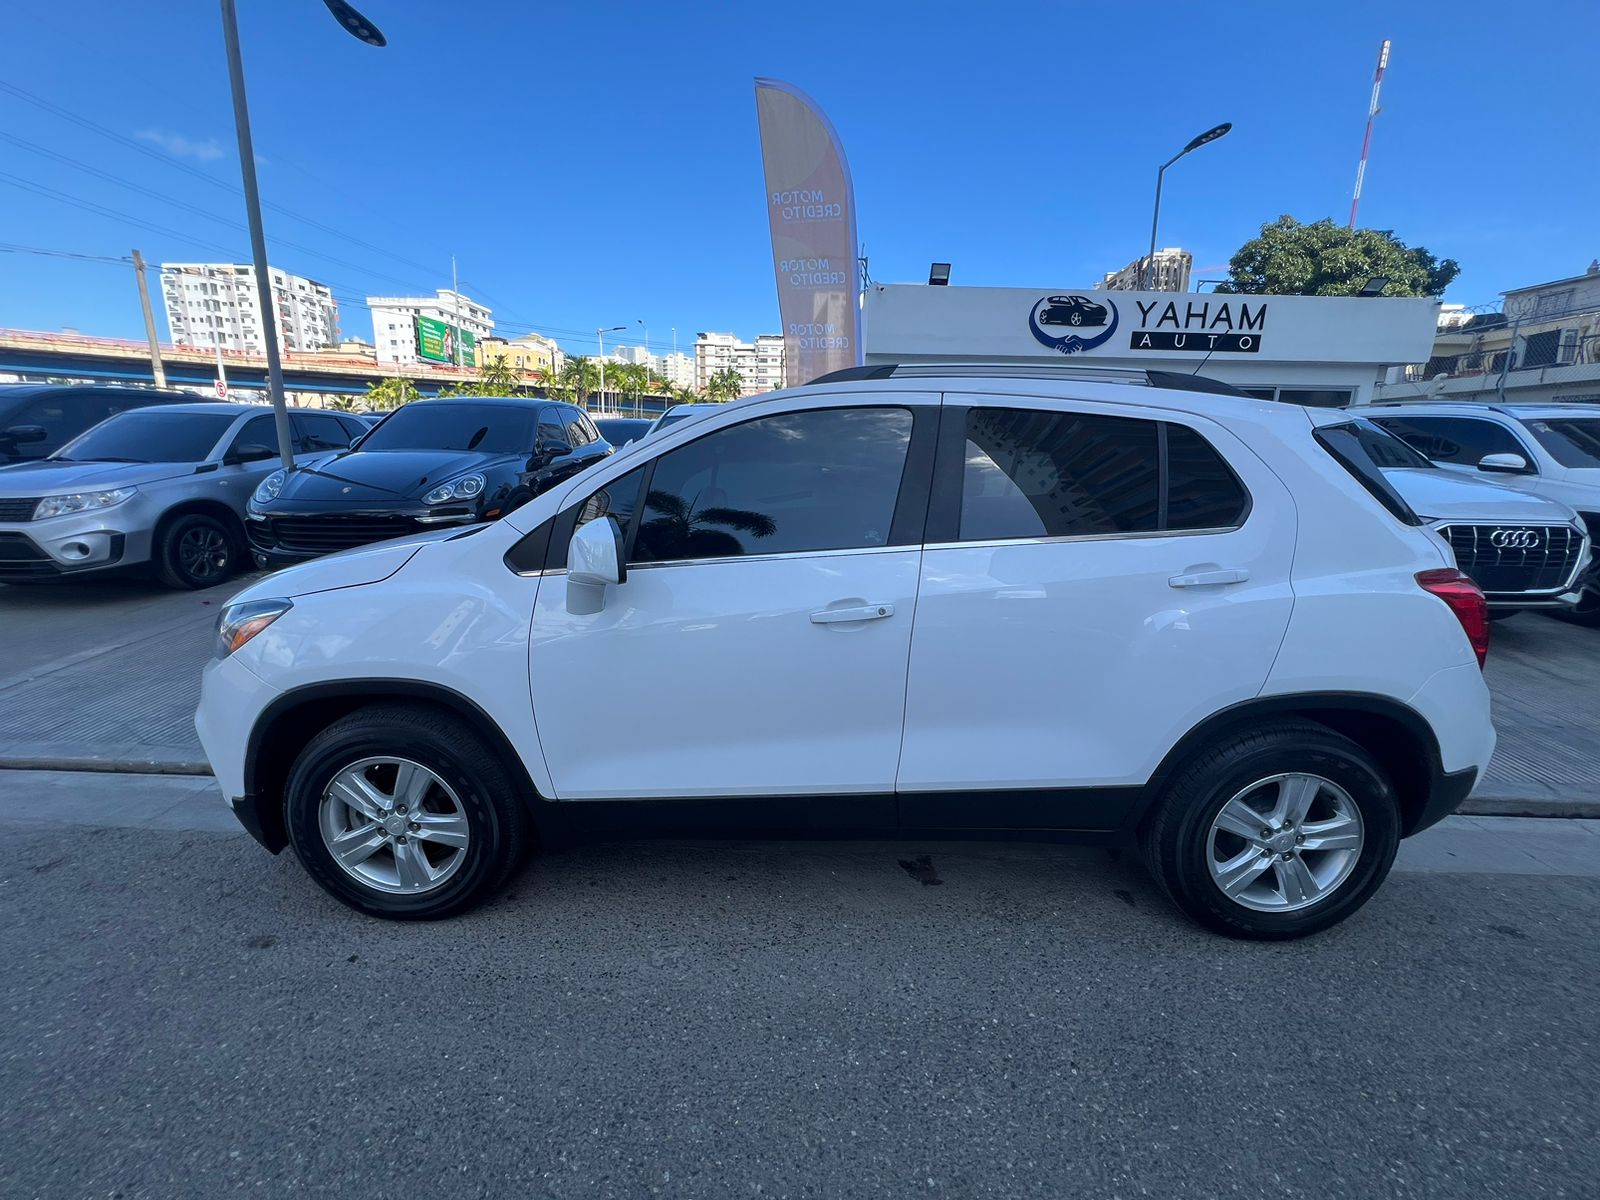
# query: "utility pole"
258,237
222,376
156,368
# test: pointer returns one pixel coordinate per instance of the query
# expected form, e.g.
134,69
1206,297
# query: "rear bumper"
1445,796
248,809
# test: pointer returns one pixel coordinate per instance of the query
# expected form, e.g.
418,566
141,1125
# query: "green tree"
391,393
578,379
496,377
725,385
1324,259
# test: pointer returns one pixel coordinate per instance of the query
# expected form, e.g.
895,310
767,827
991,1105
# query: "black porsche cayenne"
428,465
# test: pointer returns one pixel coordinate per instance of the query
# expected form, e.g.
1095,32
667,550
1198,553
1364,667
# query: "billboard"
439,341
811,212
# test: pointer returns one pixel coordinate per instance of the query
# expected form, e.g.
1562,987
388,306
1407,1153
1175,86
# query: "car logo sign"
1514,539
1072,313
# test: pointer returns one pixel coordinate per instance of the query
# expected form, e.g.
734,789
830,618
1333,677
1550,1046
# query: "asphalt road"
185,1016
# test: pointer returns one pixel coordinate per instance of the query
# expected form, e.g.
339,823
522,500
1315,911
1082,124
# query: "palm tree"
578,380
679,532
725,385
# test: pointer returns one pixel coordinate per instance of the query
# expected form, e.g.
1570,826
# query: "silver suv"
165,485
1551,450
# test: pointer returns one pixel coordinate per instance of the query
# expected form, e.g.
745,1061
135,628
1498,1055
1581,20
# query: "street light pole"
358,27
601,335
1147,276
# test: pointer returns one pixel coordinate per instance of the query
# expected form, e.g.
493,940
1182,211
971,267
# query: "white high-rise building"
394,322
215,304
759,364
676,368
1169,274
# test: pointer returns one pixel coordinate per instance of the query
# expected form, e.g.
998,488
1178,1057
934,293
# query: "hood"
349,568
53,478
382,474
1445,494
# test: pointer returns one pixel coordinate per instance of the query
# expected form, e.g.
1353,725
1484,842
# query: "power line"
169,160
12,248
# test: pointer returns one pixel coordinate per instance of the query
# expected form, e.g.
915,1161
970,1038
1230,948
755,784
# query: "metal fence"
1494,343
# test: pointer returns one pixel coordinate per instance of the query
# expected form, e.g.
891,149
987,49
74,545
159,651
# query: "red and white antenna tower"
1372,115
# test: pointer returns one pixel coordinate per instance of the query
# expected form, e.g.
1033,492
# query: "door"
758,645
1092,586
1461,443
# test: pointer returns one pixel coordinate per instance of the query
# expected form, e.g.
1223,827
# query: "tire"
196,550
471,796
1181,844
1585,612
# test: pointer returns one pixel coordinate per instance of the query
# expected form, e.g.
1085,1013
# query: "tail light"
1465,600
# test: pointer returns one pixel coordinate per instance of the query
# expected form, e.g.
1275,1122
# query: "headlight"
55,506
269,487
238,623
464,488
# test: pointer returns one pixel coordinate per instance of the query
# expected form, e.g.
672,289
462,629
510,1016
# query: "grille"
21,559
337,533
18,510
1543,565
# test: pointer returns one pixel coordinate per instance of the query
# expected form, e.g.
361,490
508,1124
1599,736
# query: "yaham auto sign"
1072,323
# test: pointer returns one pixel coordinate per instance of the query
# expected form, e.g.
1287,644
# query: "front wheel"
1585,612
403,811
1275,833
195,551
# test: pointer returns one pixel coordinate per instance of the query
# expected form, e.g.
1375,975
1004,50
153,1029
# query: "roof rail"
1014,370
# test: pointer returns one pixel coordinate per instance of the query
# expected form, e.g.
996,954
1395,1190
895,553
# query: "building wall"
215,304
1171,274
394,330
528,353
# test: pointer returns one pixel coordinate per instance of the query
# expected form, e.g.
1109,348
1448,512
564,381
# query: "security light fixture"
1374,286
939,275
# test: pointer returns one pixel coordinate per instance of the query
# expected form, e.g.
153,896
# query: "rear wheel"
1275,833
403,811
196,550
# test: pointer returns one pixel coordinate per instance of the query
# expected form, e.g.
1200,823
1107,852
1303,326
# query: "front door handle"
1209,578
866,612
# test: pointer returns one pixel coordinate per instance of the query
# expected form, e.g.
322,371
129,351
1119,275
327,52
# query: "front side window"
797,482
63,416
319,431
1463,440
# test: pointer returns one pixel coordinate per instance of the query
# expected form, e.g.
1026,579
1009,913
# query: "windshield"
149,435
1388,450
1573,442
488,428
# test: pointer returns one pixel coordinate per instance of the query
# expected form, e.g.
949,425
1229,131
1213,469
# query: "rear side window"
1348,448
1029,473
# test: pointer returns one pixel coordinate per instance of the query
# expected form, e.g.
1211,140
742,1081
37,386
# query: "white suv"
921,602
1551,450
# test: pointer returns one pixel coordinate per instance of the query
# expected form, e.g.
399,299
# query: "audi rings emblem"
1514,539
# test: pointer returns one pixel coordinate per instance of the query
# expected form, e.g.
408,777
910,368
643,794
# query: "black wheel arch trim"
260,809
1427,793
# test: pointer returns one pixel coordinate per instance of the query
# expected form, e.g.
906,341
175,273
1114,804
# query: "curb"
1475,806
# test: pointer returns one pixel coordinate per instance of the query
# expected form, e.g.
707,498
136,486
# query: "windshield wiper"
106,460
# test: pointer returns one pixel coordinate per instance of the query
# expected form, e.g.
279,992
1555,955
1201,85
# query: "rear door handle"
866,612
1208,578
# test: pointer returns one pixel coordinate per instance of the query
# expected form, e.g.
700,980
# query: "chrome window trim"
1142,535
844,552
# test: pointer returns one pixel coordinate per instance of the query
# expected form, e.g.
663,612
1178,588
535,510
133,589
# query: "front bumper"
64,546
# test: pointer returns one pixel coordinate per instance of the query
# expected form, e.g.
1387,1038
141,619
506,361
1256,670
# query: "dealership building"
1320,350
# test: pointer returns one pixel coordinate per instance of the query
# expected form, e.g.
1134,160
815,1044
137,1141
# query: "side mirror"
249,452
17,435
1504,464
548,452
594,559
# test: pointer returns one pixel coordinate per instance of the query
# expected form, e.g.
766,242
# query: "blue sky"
596,164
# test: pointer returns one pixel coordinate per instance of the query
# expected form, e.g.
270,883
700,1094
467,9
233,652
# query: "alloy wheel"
394,825
203,552
1284,842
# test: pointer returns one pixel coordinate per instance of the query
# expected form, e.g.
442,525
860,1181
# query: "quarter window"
821,480
1202,490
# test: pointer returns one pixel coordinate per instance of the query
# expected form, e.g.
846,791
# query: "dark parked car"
37,419
1073,310
619,431
430,464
